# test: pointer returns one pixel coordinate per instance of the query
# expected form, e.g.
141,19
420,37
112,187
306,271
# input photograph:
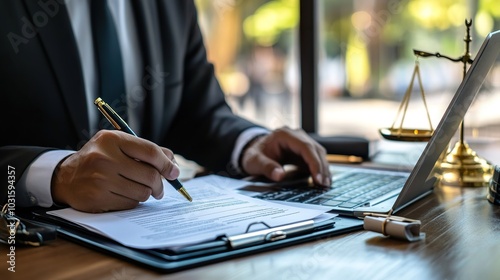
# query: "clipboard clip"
272,234
393,226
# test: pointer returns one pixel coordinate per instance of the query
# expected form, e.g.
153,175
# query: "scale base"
462,167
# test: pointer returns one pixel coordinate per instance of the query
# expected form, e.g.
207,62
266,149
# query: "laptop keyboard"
351,191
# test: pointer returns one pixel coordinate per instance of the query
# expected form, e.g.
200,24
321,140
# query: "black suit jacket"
43,95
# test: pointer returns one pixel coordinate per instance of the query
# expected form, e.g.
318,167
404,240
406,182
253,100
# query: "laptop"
355,191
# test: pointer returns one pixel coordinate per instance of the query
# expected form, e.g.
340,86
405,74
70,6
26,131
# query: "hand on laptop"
267,154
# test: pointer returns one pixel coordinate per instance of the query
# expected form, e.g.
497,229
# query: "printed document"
173,222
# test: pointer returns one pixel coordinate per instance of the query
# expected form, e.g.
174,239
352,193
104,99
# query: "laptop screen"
422,178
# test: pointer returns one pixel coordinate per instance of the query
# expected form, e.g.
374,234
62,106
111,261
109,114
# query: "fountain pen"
120,124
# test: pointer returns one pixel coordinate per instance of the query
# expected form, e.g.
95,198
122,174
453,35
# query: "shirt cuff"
243,139
38,177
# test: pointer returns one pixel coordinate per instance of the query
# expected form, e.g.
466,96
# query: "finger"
175,172
148,152
131,189
310,152
170,155
145,175
324,167
319,167
268,167
106,201
121,203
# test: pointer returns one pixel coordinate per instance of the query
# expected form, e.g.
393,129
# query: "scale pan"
406,134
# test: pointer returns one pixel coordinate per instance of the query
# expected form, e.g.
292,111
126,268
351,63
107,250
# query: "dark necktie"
111,83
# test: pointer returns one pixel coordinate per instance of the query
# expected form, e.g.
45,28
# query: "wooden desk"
463,242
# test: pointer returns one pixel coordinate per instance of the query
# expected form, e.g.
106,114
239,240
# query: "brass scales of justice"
460,166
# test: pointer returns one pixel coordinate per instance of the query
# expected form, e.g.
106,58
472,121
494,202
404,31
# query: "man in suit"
52,68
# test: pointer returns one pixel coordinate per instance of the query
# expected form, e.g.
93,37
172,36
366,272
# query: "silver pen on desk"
120,124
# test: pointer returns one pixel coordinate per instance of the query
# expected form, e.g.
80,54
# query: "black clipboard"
167,261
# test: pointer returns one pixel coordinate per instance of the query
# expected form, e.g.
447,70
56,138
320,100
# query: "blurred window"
366,59
253,47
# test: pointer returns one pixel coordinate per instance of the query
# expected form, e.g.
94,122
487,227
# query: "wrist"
57,184
245,149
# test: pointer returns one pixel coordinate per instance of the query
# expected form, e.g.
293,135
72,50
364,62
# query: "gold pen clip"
100,105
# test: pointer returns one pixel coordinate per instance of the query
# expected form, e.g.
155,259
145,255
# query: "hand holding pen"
120,124
112,171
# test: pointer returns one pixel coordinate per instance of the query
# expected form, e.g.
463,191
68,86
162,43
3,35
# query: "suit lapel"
57,39
146,14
